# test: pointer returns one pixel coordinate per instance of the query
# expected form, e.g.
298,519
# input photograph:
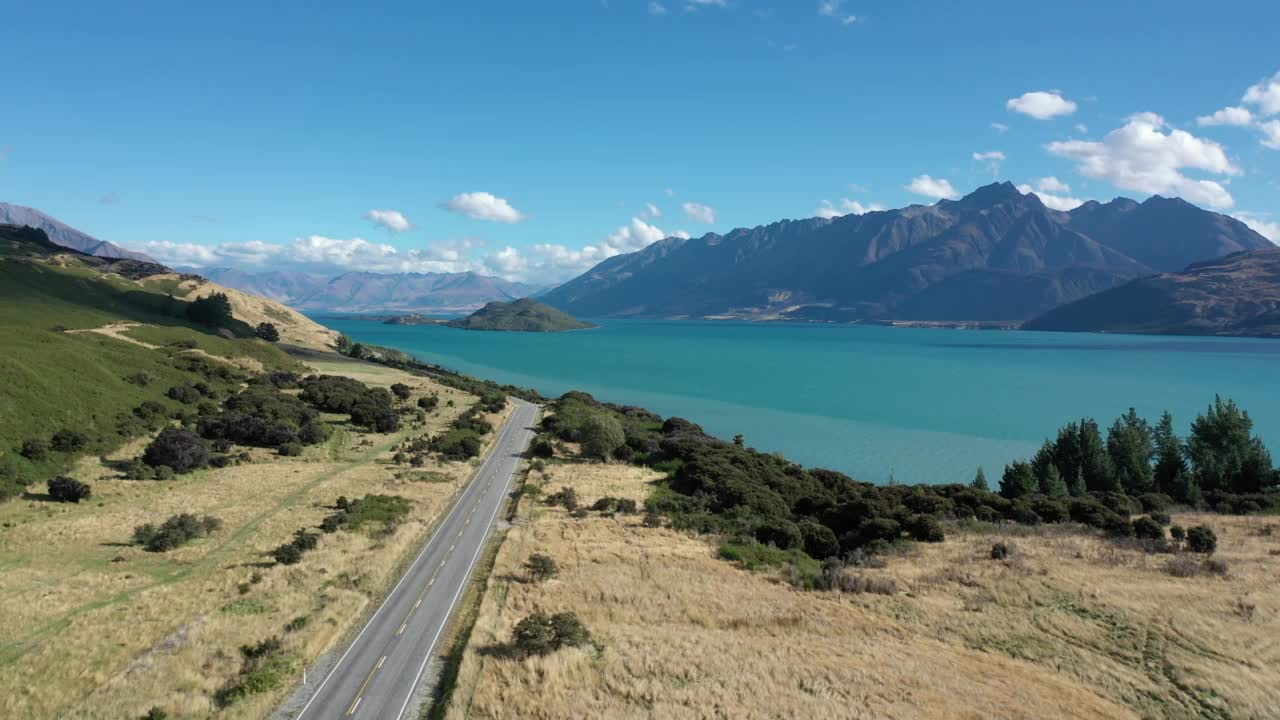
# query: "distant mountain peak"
996,192
63,234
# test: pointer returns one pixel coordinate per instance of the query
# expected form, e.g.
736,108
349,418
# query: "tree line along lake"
913,404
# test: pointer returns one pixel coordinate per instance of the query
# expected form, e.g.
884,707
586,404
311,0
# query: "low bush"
65,489
264,667
1202,539
290,449
401,391
428,402
141,379
565,497
1145,528
456,444
34,449
175,532
540,567
68,441
1000,551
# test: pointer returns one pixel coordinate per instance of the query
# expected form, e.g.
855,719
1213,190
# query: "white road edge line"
403,577
465,581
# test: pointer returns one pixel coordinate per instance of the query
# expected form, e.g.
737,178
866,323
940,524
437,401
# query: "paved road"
376,677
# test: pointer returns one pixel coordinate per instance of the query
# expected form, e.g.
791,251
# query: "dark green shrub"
175,532
178,449
401,391
540,567
566,497
1178,533
287,554
819,540
428,402
267,331
1160,517
141,379
34,449
925,528
1145,528
1000,551
214,310
155,713
539,634
290,449
65,489
68,441
1202,539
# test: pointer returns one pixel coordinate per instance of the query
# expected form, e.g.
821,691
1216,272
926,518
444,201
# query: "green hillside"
524,315
53,378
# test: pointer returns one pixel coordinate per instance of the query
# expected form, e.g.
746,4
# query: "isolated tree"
1131,445
65,489
429,402
1202,539
401,391
213,310
267,331
343,344
739,440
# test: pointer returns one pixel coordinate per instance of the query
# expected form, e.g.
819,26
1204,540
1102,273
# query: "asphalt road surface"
377,676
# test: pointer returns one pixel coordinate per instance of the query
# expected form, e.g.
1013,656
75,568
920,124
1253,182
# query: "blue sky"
528,139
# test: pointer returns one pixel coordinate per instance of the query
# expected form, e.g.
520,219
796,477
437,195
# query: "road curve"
377,675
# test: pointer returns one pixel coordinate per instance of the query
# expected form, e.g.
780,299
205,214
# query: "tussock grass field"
1070,625
98,628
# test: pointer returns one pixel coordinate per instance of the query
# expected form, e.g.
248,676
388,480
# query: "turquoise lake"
920,405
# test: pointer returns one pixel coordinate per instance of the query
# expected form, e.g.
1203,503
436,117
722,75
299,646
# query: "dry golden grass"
1070,627
97,628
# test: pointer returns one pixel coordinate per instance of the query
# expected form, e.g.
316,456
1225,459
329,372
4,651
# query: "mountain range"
1235,295
362,292
63,234
995,254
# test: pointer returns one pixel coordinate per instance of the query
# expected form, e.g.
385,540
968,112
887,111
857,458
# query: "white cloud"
1270,133
629,238
670,193
929,187
317,253
1266,95
483,206
656,8
697,212
651,210
1082,128
1051,200
1041,104
1227,116
1000,127
1141,156
1267,229
682,234
845,206
695,4
1053,185
506,263
991,159
832,9
392,220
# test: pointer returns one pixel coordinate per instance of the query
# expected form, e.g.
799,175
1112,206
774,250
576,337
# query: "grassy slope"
1073,626
51,380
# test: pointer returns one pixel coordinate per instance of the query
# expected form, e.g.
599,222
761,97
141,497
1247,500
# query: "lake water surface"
923,405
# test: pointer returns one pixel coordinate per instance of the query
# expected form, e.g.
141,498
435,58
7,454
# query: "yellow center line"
356,702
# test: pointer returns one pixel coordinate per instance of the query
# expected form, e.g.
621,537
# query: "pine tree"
1095,465
1130,447
980,481
1223,452
1171,468
1019,480
1052,483
1076,486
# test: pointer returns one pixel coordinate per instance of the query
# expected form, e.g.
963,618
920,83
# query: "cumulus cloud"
1267,229
651,210
1227,116
1049,190
697,212
483,206
929,187
845,206
1270,134
1041,104
833,9
392,220
1146,155
1266,95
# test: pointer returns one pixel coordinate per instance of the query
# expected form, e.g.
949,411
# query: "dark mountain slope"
1235,295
